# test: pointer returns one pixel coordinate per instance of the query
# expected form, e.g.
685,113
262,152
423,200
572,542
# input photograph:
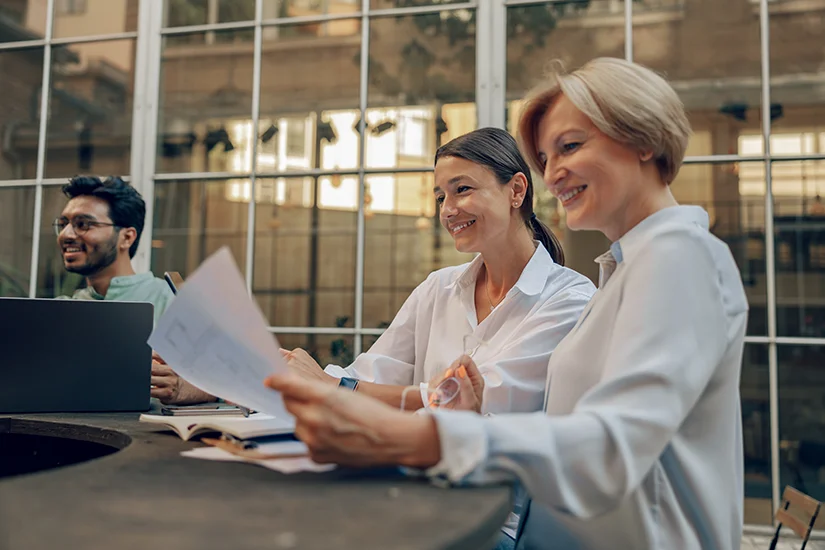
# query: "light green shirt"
141,287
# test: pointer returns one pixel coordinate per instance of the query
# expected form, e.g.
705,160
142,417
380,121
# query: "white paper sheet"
215,337
283,465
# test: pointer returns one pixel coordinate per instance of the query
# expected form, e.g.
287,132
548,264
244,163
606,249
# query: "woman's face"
596,179
476,209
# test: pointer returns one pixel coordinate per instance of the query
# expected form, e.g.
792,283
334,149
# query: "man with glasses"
98,234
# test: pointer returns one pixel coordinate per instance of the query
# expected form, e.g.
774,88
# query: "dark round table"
109,481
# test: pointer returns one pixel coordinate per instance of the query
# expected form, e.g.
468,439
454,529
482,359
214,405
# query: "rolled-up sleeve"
669,335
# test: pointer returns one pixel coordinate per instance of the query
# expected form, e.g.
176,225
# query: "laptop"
74,355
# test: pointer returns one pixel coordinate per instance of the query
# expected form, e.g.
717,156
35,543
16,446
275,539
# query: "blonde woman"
640,444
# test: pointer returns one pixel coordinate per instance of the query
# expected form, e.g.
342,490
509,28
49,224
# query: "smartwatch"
349,383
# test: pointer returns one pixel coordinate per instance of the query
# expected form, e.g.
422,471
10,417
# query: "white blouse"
520,334
641,442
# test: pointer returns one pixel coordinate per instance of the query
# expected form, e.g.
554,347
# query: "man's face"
90,251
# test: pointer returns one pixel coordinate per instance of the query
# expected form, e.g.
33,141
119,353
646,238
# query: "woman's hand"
302,364
343,427
470,382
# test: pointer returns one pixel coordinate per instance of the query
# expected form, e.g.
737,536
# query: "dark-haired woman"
515,296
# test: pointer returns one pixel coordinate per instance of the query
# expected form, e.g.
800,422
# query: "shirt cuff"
336,371
464,445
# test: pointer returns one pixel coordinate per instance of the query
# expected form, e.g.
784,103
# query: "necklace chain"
487,289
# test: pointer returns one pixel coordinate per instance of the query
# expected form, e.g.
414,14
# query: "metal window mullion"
71,40
420,10
360,231
147,131
770,260
484,64
628,30
45,87
256,114
498,96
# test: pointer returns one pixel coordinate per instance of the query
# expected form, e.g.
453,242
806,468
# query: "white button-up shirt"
641,443
520,334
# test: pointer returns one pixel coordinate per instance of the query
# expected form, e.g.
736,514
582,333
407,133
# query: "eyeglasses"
448,389
80,225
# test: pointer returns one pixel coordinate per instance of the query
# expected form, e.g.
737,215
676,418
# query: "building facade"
301,134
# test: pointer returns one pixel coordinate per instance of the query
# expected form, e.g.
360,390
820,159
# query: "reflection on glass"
17,213
305,235
182,13
52,278
192,220
802,420
90,109
307,122
205,109
389,4
324,348
94,17
22,74
798,128
756,434
278,9
422,86
799,224
405,242
537,34
719,82
22,20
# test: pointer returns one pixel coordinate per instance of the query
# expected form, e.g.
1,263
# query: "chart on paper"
227,355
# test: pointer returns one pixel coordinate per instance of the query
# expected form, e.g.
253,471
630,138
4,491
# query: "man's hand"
171,389
302,364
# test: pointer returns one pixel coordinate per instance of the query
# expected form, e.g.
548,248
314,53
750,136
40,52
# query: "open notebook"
257,425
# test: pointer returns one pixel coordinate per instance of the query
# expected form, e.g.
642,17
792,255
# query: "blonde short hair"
625,101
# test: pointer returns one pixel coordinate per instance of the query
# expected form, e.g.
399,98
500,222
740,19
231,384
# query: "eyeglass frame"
92,223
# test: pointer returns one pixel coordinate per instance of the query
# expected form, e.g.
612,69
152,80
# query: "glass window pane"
90,109
305,235
405,242
17,213
537,34
422,86
324,348
22,75
797,73
182,13
712,62
52,278
307,122
389,4
802,420
192,220
94,17
799,223
205,109
22,20
306,8
756,434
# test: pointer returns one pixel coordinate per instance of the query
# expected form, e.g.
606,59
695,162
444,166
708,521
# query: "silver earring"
515,205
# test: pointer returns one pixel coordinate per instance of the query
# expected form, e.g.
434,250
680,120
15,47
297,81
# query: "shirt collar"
533,276
117,284
631,242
